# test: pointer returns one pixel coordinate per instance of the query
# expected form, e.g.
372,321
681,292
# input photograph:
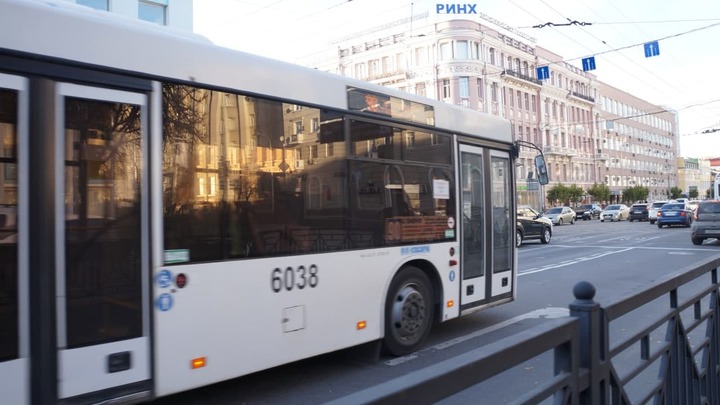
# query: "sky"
685,76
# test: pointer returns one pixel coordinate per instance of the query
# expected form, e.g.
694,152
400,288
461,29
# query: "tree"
558,192
565,195
599,192
675,193
693,194
575,193
635,193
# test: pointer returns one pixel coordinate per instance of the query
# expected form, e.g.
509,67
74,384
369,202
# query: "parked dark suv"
639,212
707,222
588,211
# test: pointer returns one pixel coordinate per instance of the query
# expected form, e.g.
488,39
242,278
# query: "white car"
654,208
615,212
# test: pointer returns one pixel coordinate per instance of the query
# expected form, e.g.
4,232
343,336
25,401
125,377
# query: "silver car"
615,212
707,222
560,215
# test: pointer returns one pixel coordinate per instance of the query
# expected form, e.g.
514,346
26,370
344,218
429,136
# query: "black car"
588,211
529,228
639,212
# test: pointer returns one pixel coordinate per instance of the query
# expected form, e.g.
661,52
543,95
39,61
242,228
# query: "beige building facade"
590,132
640,140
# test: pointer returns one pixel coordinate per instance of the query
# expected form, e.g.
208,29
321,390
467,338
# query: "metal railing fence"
659,346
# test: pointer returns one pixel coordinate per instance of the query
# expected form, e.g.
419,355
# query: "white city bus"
174,214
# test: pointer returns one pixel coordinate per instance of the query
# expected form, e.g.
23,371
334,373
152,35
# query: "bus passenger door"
487,229
103,338
472,199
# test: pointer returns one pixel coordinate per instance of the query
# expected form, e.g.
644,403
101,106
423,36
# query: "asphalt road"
618,258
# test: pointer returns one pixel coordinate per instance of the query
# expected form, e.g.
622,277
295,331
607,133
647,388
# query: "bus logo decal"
164,279
164,302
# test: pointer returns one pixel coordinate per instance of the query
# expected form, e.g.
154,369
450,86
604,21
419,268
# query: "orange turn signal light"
361,325
450,304
197,363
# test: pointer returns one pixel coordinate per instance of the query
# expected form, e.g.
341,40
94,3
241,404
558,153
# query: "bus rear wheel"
409,312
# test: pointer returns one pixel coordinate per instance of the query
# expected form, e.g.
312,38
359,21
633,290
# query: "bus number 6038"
291,278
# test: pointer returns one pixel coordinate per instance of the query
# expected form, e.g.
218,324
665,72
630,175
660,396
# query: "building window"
511,99
446,88
96,4
445,51
461,50
492,56
420,56
361,71
480,92
374,68
464,87
386,67
153,11
420,89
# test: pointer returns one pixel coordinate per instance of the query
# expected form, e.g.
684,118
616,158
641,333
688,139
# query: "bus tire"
409,312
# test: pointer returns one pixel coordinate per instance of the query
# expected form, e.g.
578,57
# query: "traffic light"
541,169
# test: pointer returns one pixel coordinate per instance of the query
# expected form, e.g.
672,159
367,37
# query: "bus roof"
79,35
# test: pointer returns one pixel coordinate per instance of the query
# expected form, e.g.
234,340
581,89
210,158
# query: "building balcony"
601,156
559,151
522,76
582,96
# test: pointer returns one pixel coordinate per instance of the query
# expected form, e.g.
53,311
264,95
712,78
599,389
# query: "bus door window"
9,345
472,215
503,232
103,252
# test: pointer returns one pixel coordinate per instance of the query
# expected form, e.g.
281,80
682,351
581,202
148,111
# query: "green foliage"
561,194
635,193
693,194
599,192
675,192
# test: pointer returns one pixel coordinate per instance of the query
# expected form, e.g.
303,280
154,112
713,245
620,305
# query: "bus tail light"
198,362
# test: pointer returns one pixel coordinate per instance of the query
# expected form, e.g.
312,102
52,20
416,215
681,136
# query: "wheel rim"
408,313
518,238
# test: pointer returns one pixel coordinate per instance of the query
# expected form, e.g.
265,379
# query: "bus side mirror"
541,169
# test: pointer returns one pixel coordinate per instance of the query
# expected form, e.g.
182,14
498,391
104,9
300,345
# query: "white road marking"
549,313
571,262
